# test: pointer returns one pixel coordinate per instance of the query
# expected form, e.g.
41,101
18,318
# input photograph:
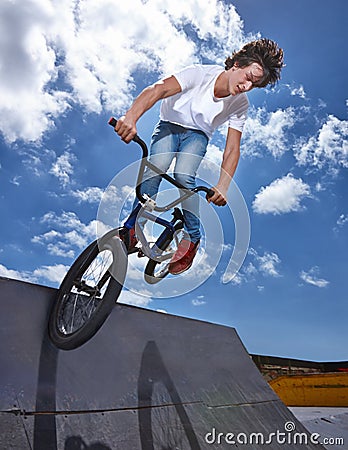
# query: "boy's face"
242,79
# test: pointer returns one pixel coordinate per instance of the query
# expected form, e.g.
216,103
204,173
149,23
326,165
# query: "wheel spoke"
86,294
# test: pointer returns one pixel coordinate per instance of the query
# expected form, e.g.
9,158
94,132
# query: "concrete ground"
330,423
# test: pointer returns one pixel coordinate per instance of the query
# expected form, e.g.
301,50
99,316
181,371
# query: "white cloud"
234,278
311,277
27,104
266,265
62,168
15,180
142,299
46,237
204,267
15,274
37,160
260,288
199,301
63,249
135,272
271,132
53,274
342,220
319,187
108,198
89,195
283,195
269,263
328,148
213,157
68,234
93,49
267,130
299,91
67,219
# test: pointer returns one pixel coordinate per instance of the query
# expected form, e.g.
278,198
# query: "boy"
195,101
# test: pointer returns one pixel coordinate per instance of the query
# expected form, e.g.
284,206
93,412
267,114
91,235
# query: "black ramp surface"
147,381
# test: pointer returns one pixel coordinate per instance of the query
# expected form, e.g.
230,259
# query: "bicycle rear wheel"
155,271
88,292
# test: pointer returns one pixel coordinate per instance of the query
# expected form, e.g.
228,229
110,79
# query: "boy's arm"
228,167
126,125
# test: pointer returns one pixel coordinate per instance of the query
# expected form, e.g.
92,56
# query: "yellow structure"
323,389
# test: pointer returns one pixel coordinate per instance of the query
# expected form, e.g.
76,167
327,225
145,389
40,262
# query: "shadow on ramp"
153,371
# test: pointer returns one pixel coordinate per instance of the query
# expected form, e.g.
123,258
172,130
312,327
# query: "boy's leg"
193,146
192,149
162,151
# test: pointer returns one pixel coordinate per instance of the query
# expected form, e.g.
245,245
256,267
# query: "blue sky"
65,70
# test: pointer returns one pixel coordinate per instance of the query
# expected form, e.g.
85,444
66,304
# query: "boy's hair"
264,52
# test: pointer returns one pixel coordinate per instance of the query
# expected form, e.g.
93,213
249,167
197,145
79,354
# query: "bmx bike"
94,282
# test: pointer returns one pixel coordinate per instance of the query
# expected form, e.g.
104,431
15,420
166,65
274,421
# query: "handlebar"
209,192
113,122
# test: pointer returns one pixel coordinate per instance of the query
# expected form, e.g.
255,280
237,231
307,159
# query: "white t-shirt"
196,106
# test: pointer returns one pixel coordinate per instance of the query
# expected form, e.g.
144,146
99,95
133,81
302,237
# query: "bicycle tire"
80,309
155,271
150,274
153,276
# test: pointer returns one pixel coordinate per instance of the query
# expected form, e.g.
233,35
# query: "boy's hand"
219,198
126,128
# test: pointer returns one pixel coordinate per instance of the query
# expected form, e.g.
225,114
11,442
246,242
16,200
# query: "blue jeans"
189,147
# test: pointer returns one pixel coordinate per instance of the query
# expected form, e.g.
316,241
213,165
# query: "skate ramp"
146,381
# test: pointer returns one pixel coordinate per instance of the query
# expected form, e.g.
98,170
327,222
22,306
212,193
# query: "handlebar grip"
112,121
210,193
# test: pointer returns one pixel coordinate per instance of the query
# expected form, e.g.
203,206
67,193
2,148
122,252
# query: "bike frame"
147,205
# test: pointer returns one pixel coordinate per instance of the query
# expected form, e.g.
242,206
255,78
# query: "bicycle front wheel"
88,292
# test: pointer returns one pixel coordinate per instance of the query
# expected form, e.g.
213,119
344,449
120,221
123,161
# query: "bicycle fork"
167,234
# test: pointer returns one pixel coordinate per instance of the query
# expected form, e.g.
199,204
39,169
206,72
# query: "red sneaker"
183,258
